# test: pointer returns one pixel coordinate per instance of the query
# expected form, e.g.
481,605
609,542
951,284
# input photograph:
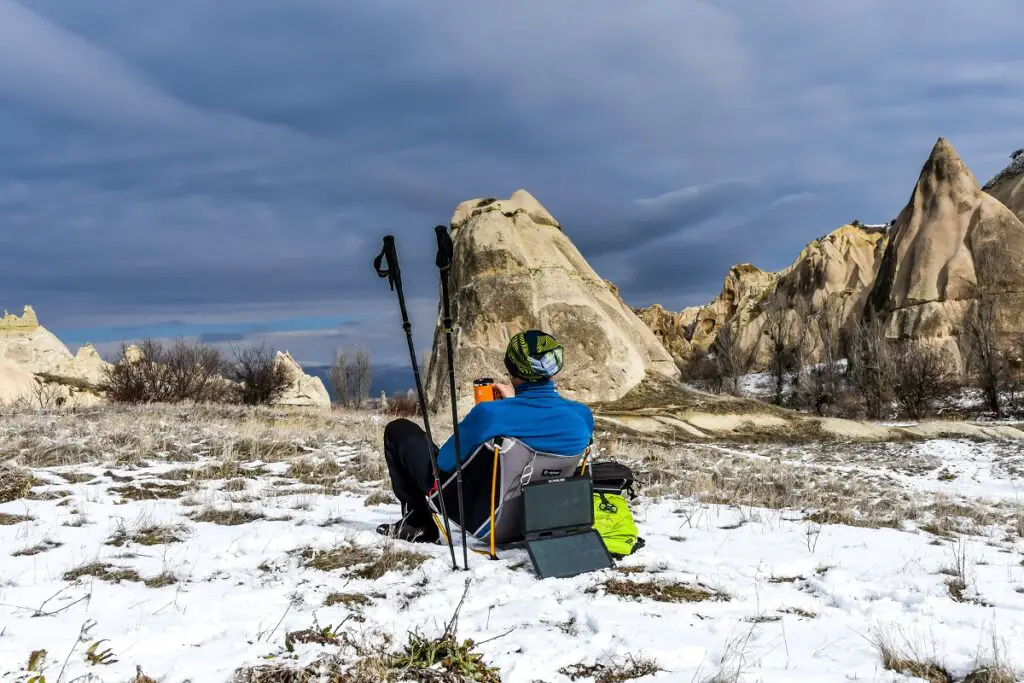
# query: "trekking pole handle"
445,249
389,256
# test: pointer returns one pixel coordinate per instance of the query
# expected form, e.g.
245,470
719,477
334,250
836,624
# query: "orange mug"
483,389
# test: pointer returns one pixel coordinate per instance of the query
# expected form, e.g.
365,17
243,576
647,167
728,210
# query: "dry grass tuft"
229,517
225,469
234,485
7,519
76,477
362,562
149,534
909,658
149,490
15,482
800,612
347,599
41,547
659,591
380,497
616,671
161,580
102,571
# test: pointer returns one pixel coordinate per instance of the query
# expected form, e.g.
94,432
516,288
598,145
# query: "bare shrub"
350,376
404,404
731,362
183,372
872,366
705,372
787,344
921,377
986,361
261,379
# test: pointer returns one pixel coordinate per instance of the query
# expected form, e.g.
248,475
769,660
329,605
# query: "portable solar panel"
558,521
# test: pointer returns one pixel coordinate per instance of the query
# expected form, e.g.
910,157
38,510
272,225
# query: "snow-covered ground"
785,598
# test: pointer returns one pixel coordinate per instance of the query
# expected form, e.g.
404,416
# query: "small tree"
987,361
350,376
871,369
787,343
921,377
731,361
261,379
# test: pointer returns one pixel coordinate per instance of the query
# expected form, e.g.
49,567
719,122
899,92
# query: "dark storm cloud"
234,163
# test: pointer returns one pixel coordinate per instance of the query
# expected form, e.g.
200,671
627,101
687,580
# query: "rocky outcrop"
58,377
1008,185
515,269
673,330
953,243
950,244
29,345
16,384
303,389
834,272
745,287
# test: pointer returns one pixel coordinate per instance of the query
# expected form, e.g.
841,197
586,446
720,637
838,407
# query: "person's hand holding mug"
504,391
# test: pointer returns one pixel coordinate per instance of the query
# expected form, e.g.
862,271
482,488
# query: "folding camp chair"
502,469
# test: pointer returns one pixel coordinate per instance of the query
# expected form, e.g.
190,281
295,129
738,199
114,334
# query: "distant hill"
386,378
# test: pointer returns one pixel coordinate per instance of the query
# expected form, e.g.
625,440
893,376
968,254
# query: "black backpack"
613,477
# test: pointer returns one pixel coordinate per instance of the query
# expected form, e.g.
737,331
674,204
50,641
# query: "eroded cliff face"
835,272
922,274
515,269
952,243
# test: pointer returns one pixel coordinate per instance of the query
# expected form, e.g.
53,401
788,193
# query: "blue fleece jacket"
537,415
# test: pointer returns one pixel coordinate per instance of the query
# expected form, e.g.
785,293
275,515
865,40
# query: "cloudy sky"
225,170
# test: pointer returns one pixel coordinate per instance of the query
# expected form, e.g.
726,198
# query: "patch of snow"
804,599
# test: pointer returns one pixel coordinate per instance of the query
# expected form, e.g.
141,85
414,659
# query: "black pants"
408,458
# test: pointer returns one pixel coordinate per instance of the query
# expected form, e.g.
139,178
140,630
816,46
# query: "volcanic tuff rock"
29,345
951,243
1008,185
514,269
32,349
838,268
16,384
303,389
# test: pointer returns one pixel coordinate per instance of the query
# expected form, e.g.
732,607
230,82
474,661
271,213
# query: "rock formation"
835,271
303,389
673,330
744,288
1008,185
514,269
26,343
34,350
951,243
16,384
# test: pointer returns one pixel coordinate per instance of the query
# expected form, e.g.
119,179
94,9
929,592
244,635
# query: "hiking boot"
404,531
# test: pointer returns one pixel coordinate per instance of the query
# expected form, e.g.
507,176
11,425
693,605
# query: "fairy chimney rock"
951,243
514,269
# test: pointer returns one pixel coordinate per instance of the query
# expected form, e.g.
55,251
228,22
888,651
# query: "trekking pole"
394,275
444,264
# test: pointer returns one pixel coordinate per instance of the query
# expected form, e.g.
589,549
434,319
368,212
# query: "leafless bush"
921,377
986,361
261,379
350,375
730,360
787,343
704,372
183,372
872,368
404,404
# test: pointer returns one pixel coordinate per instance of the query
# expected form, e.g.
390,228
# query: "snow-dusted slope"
787,597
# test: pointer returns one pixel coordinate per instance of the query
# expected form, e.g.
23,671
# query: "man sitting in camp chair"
531,412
